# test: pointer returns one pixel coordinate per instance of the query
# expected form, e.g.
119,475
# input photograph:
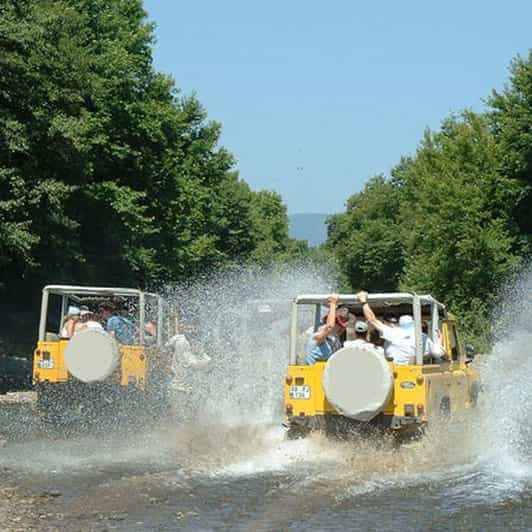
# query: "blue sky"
316,97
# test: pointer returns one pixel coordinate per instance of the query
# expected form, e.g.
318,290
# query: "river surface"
227,465
221,475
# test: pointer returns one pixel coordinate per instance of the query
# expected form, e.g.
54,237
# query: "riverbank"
18,511
17,506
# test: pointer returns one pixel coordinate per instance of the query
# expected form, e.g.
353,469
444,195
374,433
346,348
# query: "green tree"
442,224
460,240
459,237
366,239
270,225
108,174
61,159
510,117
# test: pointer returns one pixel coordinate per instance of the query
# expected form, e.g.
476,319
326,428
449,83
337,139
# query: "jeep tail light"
420,409
409,410
420,380
289,409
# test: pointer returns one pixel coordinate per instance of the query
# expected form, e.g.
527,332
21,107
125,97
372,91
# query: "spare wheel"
358,382
92,355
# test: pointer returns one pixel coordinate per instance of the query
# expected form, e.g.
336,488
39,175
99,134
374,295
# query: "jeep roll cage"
400,302
74,293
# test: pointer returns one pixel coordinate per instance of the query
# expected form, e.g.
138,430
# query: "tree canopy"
108,173
452,220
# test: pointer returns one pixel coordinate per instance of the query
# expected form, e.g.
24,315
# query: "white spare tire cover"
92,355
358,382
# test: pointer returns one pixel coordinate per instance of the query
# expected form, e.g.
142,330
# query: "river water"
250,478
229,467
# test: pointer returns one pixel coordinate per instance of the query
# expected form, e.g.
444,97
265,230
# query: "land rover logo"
408,385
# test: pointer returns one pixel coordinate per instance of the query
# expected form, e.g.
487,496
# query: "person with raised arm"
401,346
327,339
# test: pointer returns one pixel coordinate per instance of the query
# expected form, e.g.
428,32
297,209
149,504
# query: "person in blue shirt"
119,327
122,329
326,340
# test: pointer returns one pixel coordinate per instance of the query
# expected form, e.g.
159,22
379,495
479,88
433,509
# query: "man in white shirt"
87,321
402,342
361,331
392,321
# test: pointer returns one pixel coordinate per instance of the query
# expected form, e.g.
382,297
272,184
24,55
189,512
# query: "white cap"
406,321
361,326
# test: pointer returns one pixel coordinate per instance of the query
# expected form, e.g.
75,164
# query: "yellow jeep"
93,370
366,389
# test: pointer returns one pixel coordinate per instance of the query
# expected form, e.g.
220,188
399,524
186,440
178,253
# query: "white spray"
505,431
240,320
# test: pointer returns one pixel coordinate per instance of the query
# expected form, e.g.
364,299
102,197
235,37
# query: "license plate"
299,392
46,364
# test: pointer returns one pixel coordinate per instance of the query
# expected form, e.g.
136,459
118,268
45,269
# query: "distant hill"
308,226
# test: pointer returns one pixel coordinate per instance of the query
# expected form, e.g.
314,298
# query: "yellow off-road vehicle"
357,387
95,370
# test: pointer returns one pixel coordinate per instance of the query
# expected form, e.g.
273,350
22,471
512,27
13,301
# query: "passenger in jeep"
118,326
402,344
328,338
88,320
70,321
361,332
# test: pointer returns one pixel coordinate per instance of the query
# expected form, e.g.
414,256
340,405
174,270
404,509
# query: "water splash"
240,319
482,457
228,420
505,428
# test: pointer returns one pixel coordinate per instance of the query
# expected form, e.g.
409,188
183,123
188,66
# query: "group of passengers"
109,318
79,319
394,337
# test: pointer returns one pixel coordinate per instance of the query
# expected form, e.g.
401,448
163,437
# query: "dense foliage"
454,219
108,174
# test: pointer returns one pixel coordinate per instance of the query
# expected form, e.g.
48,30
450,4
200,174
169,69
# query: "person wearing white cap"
69,322
430,348
402,342
87,321
361,332
391,320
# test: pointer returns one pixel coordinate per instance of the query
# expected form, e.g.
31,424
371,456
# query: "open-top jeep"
359,388
95,369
